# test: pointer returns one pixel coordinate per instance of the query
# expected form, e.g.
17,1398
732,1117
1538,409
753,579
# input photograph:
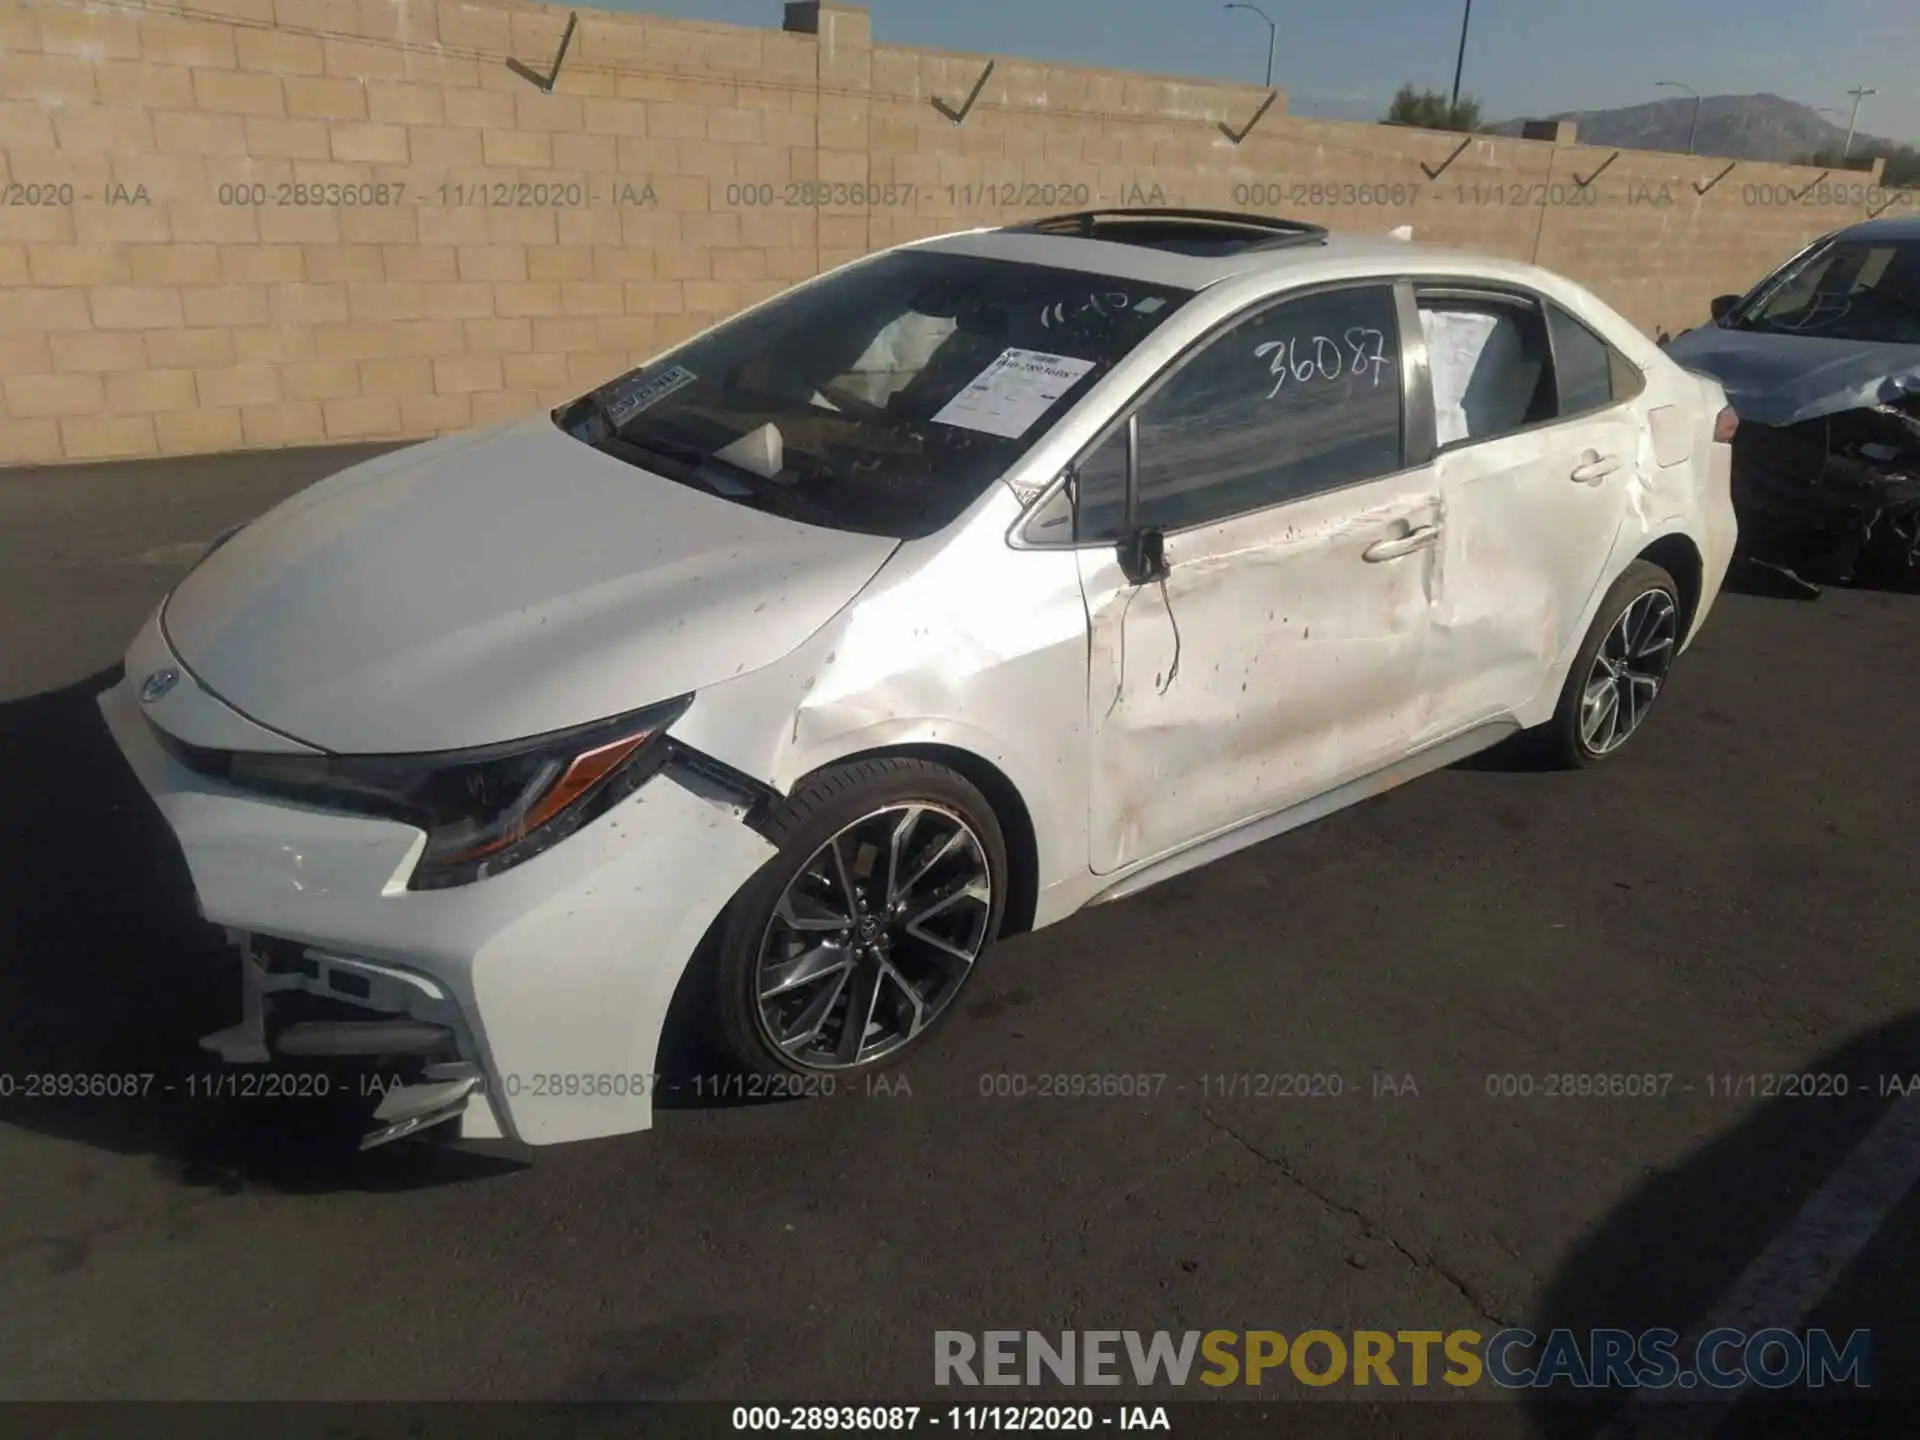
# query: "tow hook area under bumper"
299,1004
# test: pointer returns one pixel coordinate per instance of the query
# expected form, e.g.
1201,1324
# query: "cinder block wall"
255,223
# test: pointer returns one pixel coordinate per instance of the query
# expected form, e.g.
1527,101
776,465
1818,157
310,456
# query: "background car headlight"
484,810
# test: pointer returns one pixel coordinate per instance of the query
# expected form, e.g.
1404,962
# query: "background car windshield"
1849,290
883,399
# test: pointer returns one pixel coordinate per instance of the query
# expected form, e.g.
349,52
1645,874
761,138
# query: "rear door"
1538,444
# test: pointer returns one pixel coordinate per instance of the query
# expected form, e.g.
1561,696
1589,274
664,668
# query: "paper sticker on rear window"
627,400
1013,392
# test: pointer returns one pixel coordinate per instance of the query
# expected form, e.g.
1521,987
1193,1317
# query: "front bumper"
534,1001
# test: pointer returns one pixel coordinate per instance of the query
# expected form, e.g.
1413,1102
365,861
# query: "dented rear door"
1542,450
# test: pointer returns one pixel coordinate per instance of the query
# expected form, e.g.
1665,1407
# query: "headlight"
484,810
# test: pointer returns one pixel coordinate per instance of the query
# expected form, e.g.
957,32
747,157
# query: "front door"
1284,651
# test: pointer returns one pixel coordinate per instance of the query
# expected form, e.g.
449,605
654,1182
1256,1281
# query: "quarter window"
1302,397
1591,374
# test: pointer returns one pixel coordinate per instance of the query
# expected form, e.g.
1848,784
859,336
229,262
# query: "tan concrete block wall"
251,223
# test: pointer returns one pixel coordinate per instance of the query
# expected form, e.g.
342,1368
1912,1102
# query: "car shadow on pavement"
1669,1256
108,975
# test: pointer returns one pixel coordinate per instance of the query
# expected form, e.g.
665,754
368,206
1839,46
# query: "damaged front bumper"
528,1006
1835,499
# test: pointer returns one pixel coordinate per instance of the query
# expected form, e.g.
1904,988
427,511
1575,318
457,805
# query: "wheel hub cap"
873,937
1628,671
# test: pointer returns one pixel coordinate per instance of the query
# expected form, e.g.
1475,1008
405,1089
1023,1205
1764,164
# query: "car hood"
498,585
1775,379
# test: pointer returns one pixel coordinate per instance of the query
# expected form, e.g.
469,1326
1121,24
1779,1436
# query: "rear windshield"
1844,290
882,399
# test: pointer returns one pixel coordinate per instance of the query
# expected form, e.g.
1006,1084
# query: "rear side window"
1491,364
1501,363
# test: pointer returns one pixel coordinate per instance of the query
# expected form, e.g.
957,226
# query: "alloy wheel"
873,937
1628,671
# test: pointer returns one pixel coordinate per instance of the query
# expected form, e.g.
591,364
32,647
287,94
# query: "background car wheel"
1620,670
849,946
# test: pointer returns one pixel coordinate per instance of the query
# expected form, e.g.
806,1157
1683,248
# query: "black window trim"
1501,292
1416,411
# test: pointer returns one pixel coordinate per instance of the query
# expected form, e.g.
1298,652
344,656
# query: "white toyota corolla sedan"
969,584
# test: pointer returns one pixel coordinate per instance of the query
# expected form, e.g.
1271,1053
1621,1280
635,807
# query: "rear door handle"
1400,545
1593,468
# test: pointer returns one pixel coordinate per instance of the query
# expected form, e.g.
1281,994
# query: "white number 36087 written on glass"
1322,357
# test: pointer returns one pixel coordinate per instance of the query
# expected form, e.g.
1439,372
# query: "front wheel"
846,949
1620,670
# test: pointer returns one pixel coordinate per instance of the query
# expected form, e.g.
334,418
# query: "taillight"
1724,424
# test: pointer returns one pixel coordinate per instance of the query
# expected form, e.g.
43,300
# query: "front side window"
1302,397
883,399
1865,290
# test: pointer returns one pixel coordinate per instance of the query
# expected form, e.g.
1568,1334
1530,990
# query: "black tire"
1560,739
821,807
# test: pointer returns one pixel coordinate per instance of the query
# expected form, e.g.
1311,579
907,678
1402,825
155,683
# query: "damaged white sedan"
967,585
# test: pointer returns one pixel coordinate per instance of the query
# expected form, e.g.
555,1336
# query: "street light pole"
1858,94
1270,33
1460,60
1694,129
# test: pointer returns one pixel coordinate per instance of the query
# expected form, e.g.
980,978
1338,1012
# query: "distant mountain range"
1736,127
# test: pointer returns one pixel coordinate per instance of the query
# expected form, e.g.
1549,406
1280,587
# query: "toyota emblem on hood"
158,684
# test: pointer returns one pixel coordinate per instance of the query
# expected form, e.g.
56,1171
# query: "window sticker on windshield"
1013,392
1149,305
628,400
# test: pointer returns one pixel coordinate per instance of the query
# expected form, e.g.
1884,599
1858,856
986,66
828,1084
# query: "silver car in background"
1822,362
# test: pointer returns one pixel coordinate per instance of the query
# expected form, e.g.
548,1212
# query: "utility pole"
1858,94
1461,59
1694,129
1270,34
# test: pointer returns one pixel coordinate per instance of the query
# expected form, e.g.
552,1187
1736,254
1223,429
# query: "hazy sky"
1346,58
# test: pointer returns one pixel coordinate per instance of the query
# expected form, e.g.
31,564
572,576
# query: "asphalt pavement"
1734,897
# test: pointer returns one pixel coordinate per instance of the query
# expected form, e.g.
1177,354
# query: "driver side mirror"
1721,304
1143,557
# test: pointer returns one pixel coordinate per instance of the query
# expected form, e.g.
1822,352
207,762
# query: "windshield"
1845,290
883,399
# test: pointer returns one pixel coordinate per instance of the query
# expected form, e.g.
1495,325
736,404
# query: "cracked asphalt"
1733,897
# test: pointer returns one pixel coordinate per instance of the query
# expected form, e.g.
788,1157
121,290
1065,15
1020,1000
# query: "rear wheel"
1620,670
848,947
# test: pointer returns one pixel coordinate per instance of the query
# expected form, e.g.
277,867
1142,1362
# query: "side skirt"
1251,832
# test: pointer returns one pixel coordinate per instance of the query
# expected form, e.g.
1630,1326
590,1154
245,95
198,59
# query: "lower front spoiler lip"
443,1087
408,1109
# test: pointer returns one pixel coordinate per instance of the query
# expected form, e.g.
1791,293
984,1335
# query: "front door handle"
1595,467
1400,545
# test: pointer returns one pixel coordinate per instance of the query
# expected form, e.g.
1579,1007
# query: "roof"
1285,246
1887,227
1258,269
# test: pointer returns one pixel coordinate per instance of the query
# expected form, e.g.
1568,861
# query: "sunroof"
1185,232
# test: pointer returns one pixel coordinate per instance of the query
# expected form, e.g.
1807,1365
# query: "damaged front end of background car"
1834,499
1821,362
